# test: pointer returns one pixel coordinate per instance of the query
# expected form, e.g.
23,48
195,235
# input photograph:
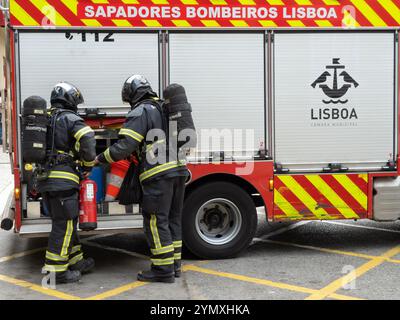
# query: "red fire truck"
296,103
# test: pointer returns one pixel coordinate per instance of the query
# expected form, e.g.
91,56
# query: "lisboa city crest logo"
335,82
333,91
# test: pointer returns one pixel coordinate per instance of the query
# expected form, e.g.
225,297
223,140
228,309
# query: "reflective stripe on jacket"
134,137
74,139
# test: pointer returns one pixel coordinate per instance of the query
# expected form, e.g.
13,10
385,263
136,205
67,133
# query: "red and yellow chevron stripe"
325,196
176,13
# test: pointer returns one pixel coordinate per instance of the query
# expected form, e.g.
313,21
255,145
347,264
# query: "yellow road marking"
369,13
285,205
339,283
269,283
346,253
20,254
304,196
390,7
353,189
117,291
331,195
35,287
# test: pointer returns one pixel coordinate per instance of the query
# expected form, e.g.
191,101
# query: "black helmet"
135,88
67,95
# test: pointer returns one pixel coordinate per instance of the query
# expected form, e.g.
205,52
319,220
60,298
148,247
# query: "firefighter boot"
177,268
151,276
68,277
83,266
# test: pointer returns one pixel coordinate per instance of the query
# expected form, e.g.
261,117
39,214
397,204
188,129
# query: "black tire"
218,190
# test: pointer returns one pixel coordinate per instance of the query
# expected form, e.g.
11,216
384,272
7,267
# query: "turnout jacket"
136,136
73,141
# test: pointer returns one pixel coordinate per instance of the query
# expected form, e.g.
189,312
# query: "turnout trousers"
162,206
64,247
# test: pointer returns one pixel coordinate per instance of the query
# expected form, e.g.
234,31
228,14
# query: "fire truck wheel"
219,220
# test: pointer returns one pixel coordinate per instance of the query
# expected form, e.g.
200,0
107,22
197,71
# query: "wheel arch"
226,177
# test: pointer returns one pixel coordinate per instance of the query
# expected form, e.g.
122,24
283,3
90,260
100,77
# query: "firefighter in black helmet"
162,180
69,140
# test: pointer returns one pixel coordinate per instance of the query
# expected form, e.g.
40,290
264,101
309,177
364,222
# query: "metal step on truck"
296,104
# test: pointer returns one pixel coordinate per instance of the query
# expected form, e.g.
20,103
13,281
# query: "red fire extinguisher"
88,206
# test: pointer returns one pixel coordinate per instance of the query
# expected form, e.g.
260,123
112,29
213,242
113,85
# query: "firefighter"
162,182
69,140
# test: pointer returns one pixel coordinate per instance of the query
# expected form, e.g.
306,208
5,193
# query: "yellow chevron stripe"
267,23
304,2
130,1
276,2
181,23
122,23
210,23
331,195
71,5
285,205
91,22
349,20
323,23
247,2
189,2
364,177
160,1
53,15
390,7
295,23
152,23
239,23
304,197
353,189
218,2
18,12
369,13
331,2
99,1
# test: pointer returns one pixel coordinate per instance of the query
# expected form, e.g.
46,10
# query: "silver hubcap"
218,221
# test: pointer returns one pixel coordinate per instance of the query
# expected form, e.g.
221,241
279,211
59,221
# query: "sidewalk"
6,179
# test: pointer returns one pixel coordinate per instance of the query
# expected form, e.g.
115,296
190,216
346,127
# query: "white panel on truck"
97,64
223,74
334,99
